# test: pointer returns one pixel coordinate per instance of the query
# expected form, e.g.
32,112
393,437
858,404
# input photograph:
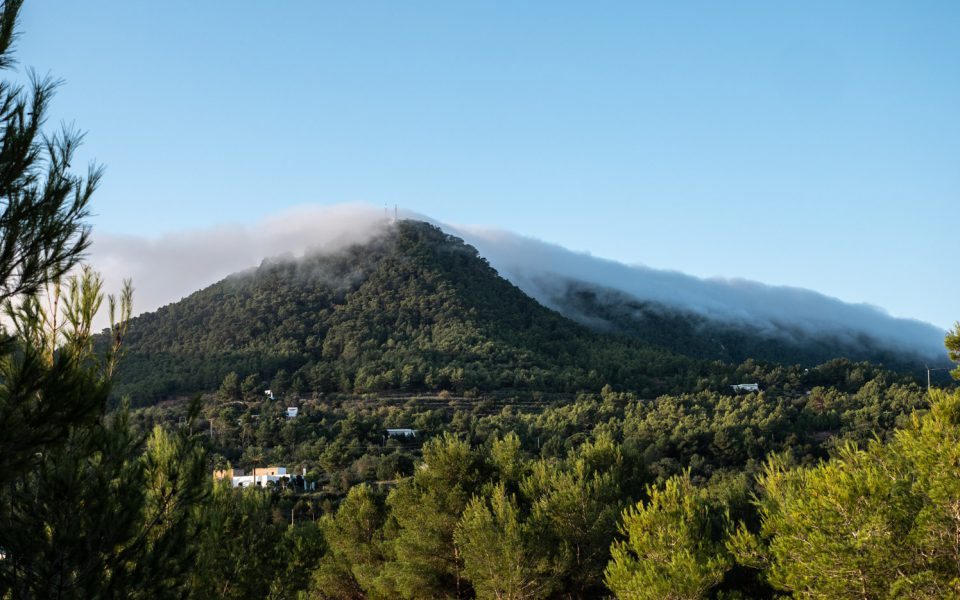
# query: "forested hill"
697,336
415,309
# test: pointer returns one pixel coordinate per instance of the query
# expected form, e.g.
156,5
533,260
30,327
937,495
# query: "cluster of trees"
491,522
875,521
340,439
417,310
496,520
549,502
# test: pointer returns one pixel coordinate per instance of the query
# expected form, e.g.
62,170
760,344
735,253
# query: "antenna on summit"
395,212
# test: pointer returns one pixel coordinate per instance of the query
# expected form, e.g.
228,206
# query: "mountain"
717,318
412,309
782,322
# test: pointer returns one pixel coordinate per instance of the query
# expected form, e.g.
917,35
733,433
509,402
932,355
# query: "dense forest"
543,481
418,310
696,336
414,310
546,460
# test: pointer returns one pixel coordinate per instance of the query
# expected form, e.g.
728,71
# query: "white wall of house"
247,480
402,432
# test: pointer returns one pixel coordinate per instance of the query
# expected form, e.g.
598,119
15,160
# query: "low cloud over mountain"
546,271
167,268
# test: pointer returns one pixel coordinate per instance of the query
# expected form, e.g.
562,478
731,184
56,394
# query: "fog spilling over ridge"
167,268
544,270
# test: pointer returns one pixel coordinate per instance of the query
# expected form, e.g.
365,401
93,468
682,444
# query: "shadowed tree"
239,552
97,515
87,510
42,237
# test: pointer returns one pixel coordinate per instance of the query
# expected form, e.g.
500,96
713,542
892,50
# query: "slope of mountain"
728,319
414,309
697,336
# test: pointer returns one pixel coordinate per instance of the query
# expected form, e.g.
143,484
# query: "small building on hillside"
746,387
401,433
292,411
260,476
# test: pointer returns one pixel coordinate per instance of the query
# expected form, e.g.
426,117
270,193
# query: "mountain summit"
413,309
417,309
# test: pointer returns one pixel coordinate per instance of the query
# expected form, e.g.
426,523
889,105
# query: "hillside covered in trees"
545,497
416,309
697,336
419,310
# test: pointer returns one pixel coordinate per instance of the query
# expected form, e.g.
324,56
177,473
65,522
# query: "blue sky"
813,144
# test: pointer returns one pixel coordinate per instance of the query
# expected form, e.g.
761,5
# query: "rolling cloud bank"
544,270
170,267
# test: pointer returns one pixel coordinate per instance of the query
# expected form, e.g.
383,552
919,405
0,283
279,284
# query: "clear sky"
814,144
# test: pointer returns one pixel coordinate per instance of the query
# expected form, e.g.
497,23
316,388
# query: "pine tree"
238,555
877,522
96,520
673,547
42,234
97,515
355,559
574,511
499,554
85,510
43,206
426,510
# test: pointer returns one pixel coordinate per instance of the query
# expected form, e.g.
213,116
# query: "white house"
401,433
292,411
746,387
261,476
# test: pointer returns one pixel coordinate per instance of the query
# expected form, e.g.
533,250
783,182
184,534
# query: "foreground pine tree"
673,548
87,508
876,522
42,237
